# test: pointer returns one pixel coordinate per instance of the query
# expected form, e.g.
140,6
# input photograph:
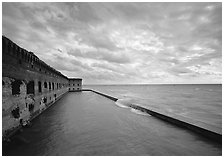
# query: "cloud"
122,42
104,55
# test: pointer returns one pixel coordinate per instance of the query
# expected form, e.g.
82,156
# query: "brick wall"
29,86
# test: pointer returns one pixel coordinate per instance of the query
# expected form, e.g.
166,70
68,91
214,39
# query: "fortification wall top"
12,49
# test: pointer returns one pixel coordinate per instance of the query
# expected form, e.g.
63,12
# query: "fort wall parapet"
29,86
27,59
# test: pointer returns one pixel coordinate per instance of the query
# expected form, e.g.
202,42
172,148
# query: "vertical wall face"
75,84
29,86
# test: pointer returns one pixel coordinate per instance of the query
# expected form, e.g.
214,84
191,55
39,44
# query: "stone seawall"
203,129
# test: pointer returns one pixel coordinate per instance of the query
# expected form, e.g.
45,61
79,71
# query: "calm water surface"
88,124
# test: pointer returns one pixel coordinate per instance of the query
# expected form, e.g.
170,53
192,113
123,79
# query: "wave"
121,105
124,103
127,103
139,112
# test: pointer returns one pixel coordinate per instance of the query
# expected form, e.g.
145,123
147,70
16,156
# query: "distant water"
200,102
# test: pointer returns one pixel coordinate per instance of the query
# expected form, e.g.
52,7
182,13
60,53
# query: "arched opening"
31,107
52,85
30,88
39,87
49,85
45,84
16,87
15,112
45,100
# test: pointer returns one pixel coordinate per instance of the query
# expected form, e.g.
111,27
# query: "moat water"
84,123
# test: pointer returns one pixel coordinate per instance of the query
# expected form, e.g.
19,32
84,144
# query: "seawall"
203,129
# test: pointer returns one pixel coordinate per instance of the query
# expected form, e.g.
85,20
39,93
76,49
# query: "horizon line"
159,84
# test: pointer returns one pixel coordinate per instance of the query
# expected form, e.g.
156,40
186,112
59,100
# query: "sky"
122,43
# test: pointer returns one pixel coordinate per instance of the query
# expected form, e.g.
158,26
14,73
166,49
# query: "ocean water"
84,123
199,102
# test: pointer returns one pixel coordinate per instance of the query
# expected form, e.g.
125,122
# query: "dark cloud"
122,42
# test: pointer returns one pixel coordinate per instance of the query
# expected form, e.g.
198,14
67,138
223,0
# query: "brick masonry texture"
29,86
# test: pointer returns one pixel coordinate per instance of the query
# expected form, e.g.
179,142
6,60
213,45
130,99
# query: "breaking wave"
121,105
139,112
125,103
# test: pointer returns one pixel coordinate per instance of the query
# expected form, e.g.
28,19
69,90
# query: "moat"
84,123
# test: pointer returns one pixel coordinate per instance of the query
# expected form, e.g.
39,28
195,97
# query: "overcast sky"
121,43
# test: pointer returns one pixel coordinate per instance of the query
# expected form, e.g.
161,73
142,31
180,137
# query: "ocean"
85,123
200,102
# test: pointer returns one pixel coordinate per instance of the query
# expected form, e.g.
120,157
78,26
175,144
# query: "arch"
16,87
31,107
49,85
45,84
52,85
39,87
15,112
30,87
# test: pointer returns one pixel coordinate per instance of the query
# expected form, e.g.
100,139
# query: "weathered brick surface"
20,67
75,84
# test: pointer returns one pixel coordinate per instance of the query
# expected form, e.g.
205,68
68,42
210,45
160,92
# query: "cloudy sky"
121,43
